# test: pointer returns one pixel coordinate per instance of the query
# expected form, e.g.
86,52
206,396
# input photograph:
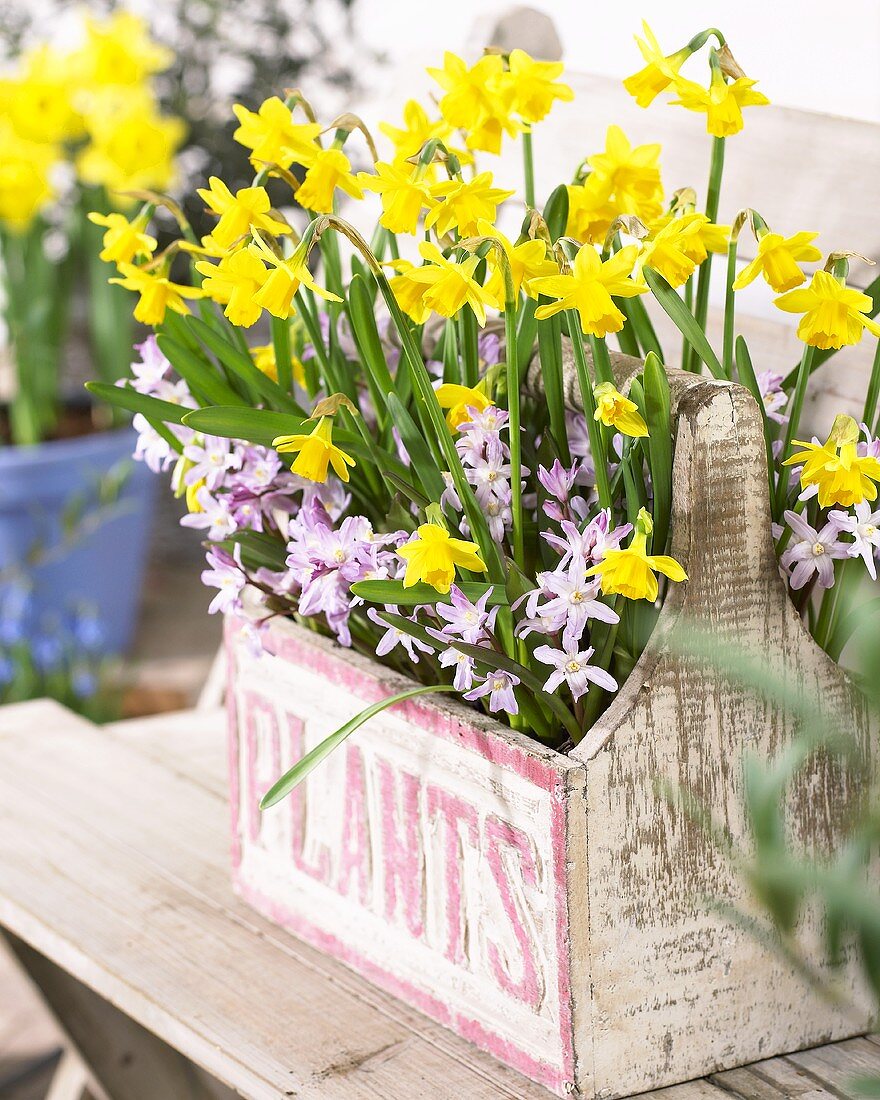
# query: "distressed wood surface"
363,1044
114,865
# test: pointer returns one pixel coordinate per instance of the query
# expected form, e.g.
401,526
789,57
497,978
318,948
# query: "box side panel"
428,853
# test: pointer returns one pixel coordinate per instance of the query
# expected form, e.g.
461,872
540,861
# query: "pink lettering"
402,849
258,785
501,834
455,812
354,856
320,869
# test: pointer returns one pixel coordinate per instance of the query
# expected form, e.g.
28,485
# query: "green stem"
797,405
873,393
686,349
513,409
528,168
713,195
729,309
281,345
597,443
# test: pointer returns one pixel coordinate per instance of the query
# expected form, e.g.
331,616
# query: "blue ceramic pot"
99,564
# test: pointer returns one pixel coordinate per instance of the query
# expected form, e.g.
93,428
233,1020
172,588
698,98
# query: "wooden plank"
702,1089
836,1066
114,866
27,1034
770,1080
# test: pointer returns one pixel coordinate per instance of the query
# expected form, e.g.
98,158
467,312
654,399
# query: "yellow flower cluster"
92,104
721,102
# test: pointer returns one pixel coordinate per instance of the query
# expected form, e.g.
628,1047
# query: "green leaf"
243,367
550,356
124,397
556,212
393,592
423,464
366,336
239,422
319,753
746,375
259,550
684,321
659,443
204,381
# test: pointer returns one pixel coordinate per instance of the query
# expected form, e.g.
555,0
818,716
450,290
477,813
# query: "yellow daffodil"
432,557
273,137
132,146
157,293
681,243
464,204
316,452
590,211
659,72
618,412
478,99
284,280
39,100
835,467
417,129
631,173
404,193
331,169
234,283
528,261
631,572
264,360
589,289
119,50
409,293
247,209
25,178
450,285
722,103
458,399
778,259
124,239
833,313
534,85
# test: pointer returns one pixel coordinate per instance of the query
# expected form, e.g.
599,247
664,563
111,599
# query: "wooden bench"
115,897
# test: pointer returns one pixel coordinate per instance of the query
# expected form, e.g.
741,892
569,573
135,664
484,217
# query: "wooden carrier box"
548,906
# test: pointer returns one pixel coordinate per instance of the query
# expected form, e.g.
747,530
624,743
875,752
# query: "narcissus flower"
659,72
316,452
590,210
119,50
124,239
283,281
631,572
528,261
589,289
618,412
409,292
833,313
25,177
450,285
679,244
330,169
479,100
777,260
721,102
840,474
157,293
132,146
234,283
264,360
458,399
535,87
247,209
464,204
417,129
631,173
404,193
273,137
432,557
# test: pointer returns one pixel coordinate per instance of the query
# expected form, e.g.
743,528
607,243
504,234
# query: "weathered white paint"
614,977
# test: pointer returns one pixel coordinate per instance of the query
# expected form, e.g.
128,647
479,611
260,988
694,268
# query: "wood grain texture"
668,978
114,865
